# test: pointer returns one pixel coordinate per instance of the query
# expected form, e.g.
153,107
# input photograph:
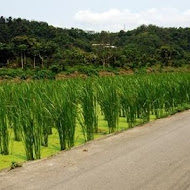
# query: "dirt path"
155,156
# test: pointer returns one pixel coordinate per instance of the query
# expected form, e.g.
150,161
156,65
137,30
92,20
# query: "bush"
114,70
141,71
11,73
87,70
178,63
44,74
90,71
55,69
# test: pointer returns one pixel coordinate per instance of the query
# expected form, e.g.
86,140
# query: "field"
40,118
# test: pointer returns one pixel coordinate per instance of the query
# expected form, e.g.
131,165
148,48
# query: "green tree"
6,53
167,54
22,44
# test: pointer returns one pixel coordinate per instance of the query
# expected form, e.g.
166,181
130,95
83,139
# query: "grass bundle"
66,113
88,103
108,99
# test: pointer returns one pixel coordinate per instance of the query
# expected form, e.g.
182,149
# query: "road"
155,156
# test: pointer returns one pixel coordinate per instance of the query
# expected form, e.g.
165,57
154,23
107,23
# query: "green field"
40,118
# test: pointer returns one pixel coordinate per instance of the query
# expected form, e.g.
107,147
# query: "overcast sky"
109,15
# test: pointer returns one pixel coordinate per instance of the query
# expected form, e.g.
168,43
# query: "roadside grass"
18,155
45,117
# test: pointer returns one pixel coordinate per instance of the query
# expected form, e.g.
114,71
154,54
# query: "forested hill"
32,44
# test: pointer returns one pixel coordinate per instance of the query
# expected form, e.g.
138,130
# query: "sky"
97,15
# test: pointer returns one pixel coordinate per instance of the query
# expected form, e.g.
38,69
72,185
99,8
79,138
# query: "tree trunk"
42,59
8,61
25,60
103,62
22,61
34,62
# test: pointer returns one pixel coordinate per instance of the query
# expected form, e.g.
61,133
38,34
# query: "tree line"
32,44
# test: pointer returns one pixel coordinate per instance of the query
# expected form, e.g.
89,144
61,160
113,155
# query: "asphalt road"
154,156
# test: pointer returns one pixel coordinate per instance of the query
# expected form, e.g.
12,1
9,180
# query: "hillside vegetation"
36,45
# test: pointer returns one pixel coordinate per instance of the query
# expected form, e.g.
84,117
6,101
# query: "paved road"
155,156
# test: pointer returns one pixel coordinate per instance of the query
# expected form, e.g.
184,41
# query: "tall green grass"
109,101
30,110
88,104
65,113
4,124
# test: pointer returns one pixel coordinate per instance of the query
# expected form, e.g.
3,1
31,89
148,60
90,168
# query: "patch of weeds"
15,165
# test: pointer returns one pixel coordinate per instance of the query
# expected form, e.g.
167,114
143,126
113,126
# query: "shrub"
90,71
44,74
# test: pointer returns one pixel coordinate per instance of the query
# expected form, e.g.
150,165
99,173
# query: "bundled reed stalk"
31,131
88,103
109,101
4,124
66,114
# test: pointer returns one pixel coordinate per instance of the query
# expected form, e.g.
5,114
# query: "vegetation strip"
57,115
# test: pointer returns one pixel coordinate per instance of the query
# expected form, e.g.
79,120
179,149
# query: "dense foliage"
32,110
32,44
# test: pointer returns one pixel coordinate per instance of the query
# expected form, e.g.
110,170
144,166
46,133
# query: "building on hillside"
104,45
